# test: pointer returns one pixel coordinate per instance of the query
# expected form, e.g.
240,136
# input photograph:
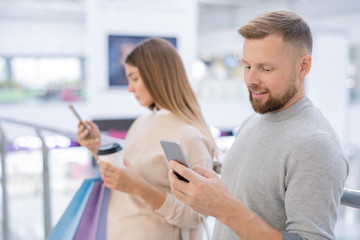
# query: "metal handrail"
69,134
39,129
351,198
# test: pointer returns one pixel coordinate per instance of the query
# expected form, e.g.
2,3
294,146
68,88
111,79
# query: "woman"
142,206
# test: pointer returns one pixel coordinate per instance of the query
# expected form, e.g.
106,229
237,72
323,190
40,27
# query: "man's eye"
267,69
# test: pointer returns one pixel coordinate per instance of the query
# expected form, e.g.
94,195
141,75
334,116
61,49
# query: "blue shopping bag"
67,226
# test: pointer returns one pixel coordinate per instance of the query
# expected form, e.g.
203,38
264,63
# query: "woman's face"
136,86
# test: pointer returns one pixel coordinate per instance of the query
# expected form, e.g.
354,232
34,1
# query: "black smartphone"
174,151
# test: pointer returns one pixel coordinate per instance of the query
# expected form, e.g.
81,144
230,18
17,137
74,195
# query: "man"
284,174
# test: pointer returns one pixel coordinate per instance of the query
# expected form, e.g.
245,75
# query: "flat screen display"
119,47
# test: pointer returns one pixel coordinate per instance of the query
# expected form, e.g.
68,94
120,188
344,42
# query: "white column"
325,85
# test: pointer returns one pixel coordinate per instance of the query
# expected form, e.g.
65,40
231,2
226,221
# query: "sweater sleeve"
315,178
197,151
290,236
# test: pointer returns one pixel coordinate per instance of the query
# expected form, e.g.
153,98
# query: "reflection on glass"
39,73
42,78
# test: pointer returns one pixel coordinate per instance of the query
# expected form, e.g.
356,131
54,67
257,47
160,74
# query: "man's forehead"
272,39
265,49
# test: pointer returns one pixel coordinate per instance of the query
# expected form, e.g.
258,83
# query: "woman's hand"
89,138
124,179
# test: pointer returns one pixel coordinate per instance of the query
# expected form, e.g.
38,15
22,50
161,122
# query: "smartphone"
174,151
72,108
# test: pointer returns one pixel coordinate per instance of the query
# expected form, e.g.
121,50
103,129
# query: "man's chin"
259,110
257,105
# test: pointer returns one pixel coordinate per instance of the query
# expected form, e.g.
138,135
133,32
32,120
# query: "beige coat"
131,218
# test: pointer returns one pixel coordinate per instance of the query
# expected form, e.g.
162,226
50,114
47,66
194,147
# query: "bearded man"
284,175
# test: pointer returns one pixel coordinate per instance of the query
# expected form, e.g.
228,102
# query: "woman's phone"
174,151
72,108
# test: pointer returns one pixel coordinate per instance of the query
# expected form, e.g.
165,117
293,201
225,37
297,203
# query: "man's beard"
273,103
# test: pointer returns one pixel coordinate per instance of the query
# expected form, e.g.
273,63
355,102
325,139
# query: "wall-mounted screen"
119,47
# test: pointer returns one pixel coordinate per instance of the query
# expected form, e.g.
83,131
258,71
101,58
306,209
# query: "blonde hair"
285,23
164,76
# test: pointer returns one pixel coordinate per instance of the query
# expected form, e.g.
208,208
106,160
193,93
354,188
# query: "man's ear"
305,65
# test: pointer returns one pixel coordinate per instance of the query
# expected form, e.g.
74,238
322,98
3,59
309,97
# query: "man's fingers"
180,195
204,171
178,187
175,182
184,171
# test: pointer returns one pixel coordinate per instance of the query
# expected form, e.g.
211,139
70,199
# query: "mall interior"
56,52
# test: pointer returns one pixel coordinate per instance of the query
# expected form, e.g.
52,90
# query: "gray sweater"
289,168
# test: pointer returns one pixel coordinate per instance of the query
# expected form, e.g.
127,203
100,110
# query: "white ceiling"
329,15
213,15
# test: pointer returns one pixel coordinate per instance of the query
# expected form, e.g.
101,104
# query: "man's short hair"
285,23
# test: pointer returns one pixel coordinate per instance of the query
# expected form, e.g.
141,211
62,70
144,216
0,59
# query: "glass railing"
41,169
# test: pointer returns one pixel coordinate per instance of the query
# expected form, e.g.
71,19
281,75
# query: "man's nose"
251,77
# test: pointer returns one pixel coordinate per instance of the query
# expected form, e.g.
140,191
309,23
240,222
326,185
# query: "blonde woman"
141,204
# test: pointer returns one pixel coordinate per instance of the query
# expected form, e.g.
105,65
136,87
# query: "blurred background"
56,52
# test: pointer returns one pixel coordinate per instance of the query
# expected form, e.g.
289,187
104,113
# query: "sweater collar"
289,112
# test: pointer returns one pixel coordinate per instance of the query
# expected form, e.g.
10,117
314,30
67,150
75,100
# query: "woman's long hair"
164,76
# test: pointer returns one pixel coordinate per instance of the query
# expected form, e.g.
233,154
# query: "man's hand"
205,192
